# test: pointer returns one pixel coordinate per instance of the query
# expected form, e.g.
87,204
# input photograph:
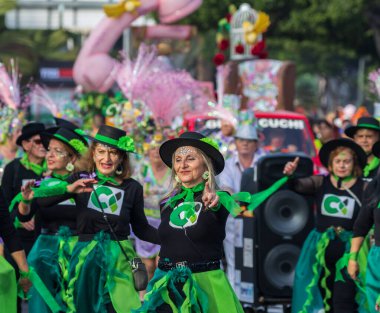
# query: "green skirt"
100,276
307,297
373,277
50,257
206,292
8,287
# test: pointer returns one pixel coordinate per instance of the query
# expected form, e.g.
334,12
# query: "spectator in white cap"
246,156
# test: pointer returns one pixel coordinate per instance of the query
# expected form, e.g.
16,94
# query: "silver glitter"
184,150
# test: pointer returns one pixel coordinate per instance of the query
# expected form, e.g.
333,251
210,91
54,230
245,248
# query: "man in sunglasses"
20,171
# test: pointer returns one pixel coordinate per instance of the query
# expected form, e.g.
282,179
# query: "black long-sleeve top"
123,205
7,230
370,213
52,217
334,207
199,240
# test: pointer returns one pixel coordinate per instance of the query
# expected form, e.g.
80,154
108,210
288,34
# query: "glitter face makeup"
184,150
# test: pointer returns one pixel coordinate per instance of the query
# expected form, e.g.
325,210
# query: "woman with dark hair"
52,250
368,218
192,229
318,280
108,202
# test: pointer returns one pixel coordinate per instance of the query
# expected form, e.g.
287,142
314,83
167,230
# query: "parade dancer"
18,172
366,134
369,217
319,283
8,286
108,202
192,229
52,250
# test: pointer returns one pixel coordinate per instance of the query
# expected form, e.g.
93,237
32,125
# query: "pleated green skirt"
50,257
101,277
185,292
8,287
373,277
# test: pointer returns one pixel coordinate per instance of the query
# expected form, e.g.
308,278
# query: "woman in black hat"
366,134
338,202
192,229
108,202
52,250
368,218
29,167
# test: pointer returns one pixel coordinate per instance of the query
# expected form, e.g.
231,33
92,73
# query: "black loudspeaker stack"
272,238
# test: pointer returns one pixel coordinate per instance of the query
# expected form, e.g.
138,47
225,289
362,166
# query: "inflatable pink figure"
94,69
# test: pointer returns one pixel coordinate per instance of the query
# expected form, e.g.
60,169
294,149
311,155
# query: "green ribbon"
228,202
368,126
36,168
102,179
41,289
371,166
345,179
60,177
256,199
187,194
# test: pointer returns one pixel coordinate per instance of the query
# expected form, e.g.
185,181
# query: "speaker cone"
280,264
286,213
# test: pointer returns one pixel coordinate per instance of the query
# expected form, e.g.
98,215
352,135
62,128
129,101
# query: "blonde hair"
87,162
176,186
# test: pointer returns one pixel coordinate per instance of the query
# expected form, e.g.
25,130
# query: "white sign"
281,123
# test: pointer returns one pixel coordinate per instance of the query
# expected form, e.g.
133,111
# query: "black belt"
47,231
89,237
197,267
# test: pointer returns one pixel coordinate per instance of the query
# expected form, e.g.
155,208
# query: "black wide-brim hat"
69,137
376,149
197,140
363,123
331,145
30,130
114,137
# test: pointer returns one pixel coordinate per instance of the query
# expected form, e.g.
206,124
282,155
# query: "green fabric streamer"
36,168
50,187
102,179
8,287
229,203
256,199
41,288
371,166
187,194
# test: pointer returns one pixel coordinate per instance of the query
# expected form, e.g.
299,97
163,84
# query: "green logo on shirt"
185,214
110,199
338,206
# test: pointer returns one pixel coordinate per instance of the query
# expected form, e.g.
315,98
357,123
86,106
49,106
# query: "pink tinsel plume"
169,95
10,87
132,74
222,72
41,97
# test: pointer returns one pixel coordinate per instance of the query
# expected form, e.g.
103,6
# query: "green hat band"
124,143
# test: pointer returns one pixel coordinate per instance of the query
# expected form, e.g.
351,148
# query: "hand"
353,269
27,192
29,225
25,284
210,198
81,185
291,167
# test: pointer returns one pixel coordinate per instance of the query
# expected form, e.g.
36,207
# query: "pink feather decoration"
132,74
41,97
10,87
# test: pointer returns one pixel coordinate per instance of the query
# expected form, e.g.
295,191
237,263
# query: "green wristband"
353,256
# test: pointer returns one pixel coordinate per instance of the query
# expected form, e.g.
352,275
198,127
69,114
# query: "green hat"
363,123
115,138
75,141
